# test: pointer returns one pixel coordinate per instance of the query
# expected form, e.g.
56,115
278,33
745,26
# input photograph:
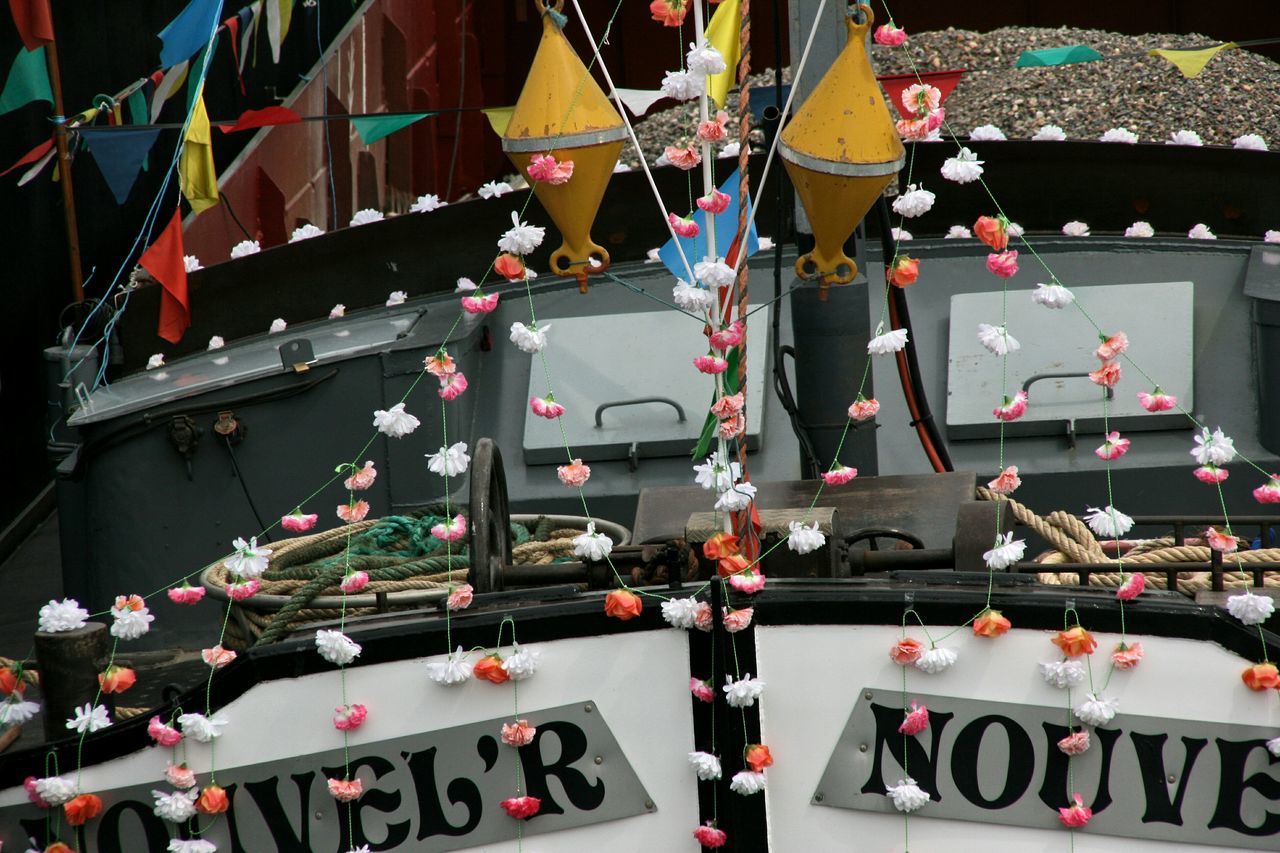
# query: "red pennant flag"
34,21
895,84
264,117
31,156
233,26
164,261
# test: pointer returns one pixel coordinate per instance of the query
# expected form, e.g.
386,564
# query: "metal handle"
636,402
1109,393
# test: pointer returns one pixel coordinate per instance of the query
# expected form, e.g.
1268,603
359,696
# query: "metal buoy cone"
841,150
564,113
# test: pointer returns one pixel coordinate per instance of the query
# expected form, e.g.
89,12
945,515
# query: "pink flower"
702,616
684,226
1267,493
1113,447
713,130
1157,400
1003,264
686,157
921,98
217,657
519,733
1075,743
728,405
1012,409
709,836
163,734
839,475
545,169
521,807
730,337
186,594
913,128
1107,375
546,407
354,582
915,721
362,478
889,35
32,794
1112,346
1224,543
1006,482
702,690
440,364
733,427
243,590
180,776
452,386
450,530
348,717
714,202
460,597
737,620
353,512
294,522
749,582
482,304
1211,474
1127,657
863,409
346,790
710,364
573,474
1076,815
1132,587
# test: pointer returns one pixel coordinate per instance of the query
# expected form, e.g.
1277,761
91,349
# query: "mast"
708,155
64,170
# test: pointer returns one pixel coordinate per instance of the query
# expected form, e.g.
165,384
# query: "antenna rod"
64,172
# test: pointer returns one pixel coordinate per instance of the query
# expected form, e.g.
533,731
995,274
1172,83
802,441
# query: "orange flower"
117,679
906,651
992,623
58,847
1261,676
10,681
1108,375
758,757
490,669
622,604
732,565
904,271
992,231
720,546
1075,642
669,13
213,800
509,267
82,808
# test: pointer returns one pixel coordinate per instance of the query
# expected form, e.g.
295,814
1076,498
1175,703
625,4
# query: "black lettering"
350,822
583,794
1053,791
422,765
266,796
1233,784
1150,751
966,752
109,829
912,759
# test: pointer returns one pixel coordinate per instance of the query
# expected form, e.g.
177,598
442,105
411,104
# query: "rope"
1062,530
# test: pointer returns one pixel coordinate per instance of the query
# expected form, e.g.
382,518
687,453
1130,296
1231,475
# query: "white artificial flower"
692,298
1251,609
249,561
1250,142
454,669
747,782
277,325
449,461
900,234
1052,295
713,272
156,360
620,167
987,133
305,232
216,342
465,285
957,232
336,647
914,202
1075,228
396,297
130,624
716,474
245,247
963,168
936,660
1213,449
89,718
1013,229
662,160
338,311
16,711
1062,674
1050,133
200,728
427,203
997,339
652,257
530,339
191,845
55,790
1184,137
1271,237
1006,552
591,545
683,86
364,217
737,498
1140,229
1109,522
703,59
64,615
176,806
192,263
1273,746
681,612
731,149
363,848
706,765
804,540
395,422
522,238
494,189
522,663
1200,231
744,692
1119,134
886,342
907,796
1096,711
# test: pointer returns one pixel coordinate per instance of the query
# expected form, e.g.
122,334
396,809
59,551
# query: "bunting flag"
167,87
246,17
34,21
31,156
163,259
188,32
279,15
695,248
1057,56
120,155
373,128
28,81
265,117
1191,62
499,118
249,17
722,33
39,167
639,100
196,176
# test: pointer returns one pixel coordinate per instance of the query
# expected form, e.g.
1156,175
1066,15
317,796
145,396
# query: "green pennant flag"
373,128
1057,56
28,81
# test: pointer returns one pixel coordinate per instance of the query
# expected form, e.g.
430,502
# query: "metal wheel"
490,529
874,534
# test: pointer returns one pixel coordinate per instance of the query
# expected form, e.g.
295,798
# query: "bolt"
818,797
319,815
867,695
1172,779
648,804
862,747
599,759
588,708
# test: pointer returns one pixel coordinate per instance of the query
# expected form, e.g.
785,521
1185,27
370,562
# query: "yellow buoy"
841,150
564,113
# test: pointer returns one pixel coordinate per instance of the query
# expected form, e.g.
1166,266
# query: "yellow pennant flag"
499,118
195,166
1191,62
722,34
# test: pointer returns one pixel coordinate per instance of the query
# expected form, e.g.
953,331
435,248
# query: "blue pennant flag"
188,32
120,155
695,248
